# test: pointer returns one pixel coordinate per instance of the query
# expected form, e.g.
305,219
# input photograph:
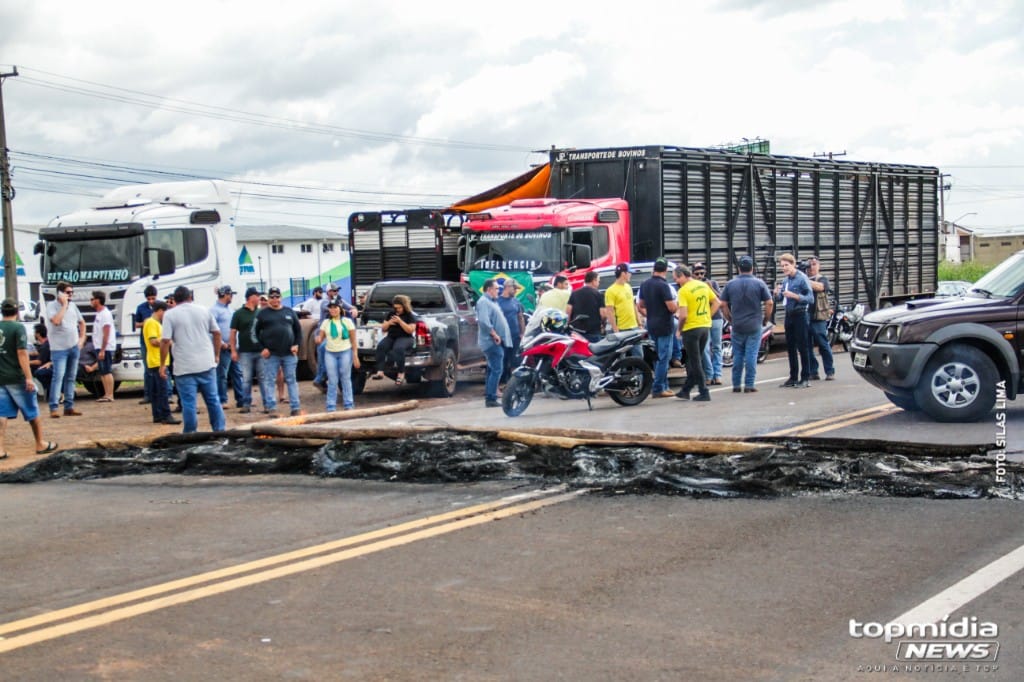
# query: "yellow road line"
191,581
836,422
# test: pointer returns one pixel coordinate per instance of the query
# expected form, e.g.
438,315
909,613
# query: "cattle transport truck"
874,226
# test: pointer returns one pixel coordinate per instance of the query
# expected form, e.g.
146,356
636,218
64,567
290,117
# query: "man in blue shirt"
226,369
515,316
142,313
493,335
794,292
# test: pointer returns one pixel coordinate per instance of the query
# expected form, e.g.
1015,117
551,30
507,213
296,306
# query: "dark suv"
948,357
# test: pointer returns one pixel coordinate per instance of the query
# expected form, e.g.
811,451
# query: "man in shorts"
17,390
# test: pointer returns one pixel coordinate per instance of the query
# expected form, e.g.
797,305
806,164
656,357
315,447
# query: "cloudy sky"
322,108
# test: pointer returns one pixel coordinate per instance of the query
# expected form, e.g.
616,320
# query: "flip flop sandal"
4,455
50,447
104,399
399,381
377,377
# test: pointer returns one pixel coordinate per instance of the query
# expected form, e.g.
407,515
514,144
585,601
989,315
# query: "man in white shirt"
104,340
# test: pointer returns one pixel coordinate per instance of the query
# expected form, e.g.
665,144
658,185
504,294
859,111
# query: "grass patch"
967,272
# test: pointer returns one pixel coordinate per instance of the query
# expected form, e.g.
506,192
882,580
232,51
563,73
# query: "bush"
967,272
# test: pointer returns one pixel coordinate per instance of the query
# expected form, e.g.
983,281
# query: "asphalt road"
171,578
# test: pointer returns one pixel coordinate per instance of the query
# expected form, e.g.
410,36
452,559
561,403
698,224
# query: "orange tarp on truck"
532,184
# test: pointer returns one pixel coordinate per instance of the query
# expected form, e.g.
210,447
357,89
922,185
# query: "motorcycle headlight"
890,334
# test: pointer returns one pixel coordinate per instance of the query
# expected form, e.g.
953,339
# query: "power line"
160,102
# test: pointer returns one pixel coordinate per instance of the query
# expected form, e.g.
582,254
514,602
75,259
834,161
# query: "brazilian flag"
526,294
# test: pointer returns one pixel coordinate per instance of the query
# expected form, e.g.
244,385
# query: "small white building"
294,259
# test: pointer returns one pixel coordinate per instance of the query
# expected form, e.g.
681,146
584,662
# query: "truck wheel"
958,385
904,402
95,388
445,386
358,382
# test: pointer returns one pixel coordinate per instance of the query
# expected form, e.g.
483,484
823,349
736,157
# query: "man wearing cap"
558,297
747,305
278,332
245,350
226,368
312,304
17,390
658,304
619,298
142,313
187,328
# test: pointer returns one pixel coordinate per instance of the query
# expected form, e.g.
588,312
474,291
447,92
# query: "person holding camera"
820,314
399,328
794,292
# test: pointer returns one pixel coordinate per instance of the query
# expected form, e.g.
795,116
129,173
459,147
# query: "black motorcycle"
840,326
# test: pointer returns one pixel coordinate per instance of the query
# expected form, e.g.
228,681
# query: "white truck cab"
164,234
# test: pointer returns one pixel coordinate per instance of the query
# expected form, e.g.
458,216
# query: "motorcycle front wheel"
726,352
633,382
517,395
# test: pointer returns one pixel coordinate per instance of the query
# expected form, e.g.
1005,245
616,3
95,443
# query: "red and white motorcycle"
559,361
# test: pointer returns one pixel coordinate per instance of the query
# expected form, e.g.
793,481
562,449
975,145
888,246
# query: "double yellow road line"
54,624
837,422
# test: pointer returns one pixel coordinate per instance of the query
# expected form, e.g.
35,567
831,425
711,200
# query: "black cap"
621,268
334,303
746,263
252,291
661,265
273,290
225,290
9,307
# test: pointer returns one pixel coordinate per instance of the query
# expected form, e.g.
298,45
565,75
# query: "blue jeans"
250,364
159,401
744,357
206,384
664,346
321,371
819,338
338,368
797,345
712,361
495,355
270,365
65,371
223,368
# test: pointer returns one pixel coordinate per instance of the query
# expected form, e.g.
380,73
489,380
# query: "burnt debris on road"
613,463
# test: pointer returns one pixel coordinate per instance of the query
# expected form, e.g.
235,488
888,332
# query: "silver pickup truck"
445,341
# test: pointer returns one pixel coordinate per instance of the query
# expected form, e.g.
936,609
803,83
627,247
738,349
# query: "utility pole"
7,190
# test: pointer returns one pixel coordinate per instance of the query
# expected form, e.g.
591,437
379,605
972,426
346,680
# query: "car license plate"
860,360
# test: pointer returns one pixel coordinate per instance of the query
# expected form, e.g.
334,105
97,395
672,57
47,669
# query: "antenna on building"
828,155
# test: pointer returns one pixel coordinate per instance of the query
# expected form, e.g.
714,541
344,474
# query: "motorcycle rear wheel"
727,353
633,384
517,396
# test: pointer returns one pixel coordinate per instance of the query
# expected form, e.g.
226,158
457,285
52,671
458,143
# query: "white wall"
317,266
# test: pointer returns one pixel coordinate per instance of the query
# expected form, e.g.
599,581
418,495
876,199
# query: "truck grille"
866,332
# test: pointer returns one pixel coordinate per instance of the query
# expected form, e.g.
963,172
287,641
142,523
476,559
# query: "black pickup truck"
444,344
950,357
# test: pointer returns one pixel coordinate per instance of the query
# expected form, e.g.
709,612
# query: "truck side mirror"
164,262
581,255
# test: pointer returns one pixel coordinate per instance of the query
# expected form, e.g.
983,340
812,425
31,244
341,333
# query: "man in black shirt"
587,301
658,304
278,332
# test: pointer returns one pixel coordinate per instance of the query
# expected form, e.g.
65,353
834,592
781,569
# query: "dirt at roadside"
125,418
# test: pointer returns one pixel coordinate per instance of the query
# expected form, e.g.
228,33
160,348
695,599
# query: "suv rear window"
424,298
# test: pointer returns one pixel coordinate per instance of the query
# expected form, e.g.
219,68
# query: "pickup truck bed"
445,341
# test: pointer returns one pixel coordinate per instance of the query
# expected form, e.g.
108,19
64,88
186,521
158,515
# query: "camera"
802,265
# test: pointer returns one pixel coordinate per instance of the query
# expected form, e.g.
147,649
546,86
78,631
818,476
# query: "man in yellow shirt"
152,329
620,301
697,304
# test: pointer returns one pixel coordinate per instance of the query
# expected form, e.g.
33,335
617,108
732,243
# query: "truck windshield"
1004,281
93,261
537,252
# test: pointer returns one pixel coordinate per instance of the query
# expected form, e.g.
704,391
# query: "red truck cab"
548,237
